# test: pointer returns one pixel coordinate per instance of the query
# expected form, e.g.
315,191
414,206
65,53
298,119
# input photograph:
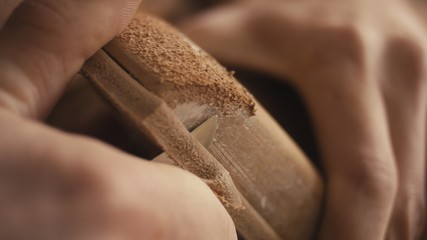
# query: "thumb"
45,42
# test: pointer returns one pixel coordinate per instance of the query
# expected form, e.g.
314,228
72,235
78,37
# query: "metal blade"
204,133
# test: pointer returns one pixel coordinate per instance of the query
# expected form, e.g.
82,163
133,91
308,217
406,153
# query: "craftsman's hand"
361,66
55,185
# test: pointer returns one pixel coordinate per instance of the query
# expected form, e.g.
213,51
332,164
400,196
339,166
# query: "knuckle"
349,36
375,177
337,52
325,47
404,61
343,45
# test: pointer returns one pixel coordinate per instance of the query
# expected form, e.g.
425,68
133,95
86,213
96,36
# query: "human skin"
56,185
361,68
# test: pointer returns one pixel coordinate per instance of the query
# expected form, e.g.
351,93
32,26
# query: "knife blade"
204,134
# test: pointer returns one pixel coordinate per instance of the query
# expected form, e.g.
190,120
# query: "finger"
45,42
256,35
224,33
403,89
6,8
91,191
352,133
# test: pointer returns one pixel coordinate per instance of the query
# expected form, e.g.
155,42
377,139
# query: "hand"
360,66
55,185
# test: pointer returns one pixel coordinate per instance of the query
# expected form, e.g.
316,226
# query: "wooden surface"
266,167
